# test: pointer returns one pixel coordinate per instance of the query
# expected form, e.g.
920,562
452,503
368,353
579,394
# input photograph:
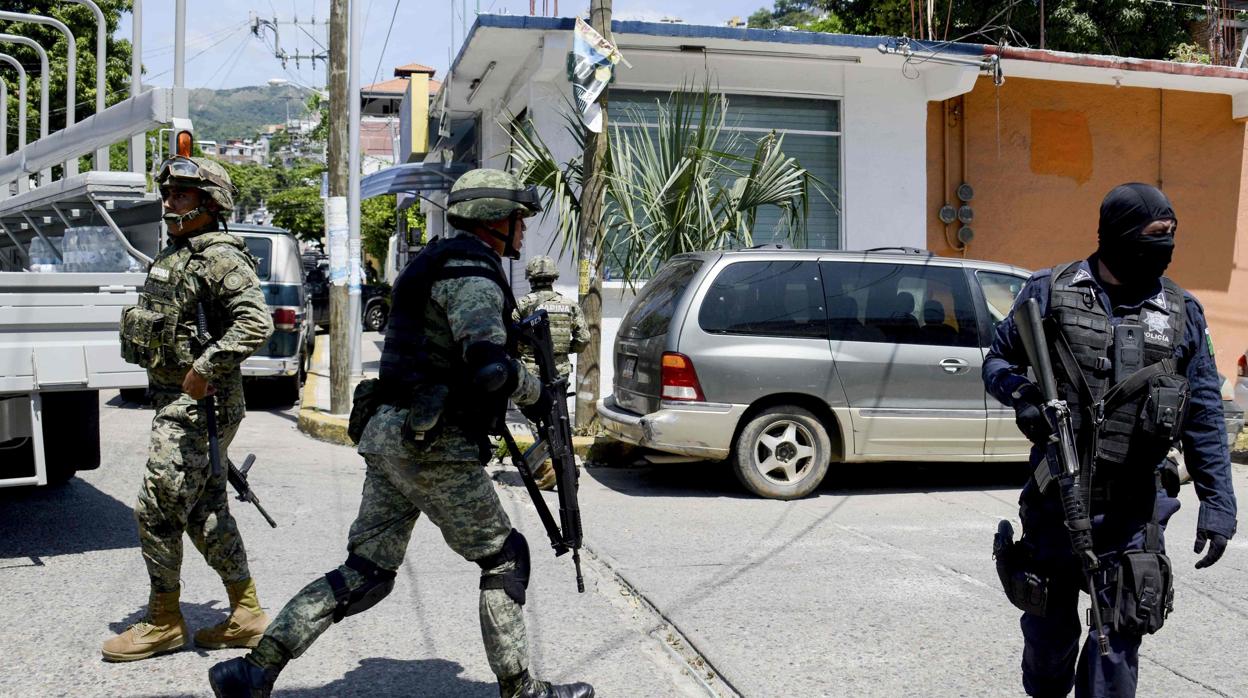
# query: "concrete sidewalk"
316,419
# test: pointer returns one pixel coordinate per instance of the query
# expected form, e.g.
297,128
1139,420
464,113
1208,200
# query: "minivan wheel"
375,317
782,453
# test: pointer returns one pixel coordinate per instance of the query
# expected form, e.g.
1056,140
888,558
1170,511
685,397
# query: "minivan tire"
375,317
778,436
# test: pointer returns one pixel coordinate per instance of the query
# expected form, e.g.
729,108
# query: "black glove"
1217,546
539,410
1028,415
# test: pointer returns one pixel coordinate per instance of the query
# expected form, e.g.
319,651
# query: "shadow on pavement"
62,520
382,676
711,479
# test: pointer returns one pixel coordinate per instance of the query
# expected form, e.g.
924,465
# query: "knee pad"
515,581
376,586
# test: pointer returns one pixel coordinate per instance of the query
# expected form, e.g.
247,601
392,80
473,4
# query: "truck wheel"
66,456
782,453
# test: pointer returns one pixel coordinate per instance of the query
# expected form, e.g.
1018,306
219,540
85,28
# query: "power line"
385,43
214,45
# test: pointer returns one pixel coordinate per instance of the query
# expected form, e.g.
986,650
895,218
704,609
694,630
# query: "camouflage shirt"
215,269
568,330
470,310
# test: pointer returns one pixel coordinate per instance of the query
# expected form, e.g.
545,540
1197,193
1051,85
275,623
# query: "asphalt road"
880,585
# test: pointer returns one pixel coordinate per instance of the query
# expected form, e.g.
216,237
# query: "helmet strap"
509,239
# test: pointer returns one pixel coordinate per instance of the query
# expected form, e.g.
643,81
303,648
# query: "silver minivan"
785,361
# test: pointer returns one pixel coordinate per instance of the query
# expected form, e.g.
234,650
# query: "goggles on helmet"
178,167
526,197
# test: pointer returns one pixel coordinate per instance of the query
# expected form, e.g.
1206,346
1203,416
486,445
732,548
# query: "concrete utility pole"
589,285
336,212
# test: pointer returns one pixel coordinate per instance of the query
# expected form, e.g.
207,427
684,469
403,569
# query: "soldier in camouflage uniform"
568,331
180,493
448,368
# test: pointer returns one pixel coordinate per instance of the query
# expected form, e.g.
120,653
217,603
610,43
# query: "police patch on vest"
1081,275
159,273
233,281
1158,327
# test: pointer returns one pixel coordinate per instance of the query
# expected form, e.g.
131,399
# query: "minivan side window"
1000,290
899,304
651,313
775,299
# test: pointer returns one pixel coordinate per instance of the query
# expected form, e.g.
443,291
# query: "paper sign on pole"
595,60
336,230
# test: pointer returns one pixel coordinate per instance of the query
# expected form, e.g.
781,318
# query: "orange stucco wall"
1041,155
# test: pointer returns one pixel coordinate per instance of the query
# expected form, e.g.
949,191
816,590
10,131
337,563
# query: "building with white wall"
854,116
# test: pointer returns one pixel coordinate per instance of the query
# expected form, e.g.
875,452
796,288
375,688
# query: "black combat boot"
524,686
240,678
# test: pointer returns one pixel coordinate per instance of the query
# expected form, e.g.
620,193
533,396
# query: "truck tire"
375,317
783,452
65,456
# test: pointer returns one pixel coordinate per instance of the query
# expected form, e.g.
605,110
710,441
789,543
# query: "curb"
332,428
313,421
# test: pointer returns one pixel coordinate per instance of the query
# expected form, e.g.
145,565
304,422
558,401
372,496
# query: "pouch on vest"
1165,402
424,412
142,333
1025,588
364,404
1144,593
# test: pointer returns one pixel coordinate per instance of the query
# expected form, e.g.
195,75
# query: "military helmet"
485,195
541,268
203,174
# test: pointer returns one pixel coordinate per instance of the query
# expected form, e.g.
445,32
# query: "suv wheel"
782,453
375,317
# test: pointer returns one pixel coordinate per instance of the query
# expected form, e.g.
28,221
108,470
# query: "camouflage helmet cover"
468,207
203,174
541,268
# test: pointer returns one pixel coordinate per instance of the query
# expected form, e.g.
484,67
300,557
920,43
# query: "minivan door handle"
953,365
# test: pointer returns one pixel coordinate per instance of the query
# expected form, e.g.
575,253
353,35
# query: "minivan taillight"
1243,365
679,380
285,319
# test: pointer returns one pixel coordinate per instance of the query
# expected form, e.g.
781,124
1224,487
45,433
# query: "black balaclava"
1133,258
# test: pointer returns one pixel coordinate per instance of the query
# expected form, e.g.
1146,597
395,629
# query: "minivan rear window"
652,312
774,299
262,250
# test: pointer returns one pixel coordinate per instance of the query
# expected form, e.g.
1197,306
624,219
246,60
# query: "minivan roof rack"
769,246
903,250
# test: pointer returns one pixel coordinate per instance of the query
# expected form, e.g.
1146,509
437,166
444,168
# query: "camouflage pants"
180,494
460,500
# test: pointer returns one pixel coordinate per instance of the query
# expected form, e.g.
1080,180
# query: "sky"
222,52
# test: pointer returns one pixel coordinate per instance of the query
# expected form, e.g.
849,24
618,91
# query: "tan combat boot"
163,630
246,623
544,476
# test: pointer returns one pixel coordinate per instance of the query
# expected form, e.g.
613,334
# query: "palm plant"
687,183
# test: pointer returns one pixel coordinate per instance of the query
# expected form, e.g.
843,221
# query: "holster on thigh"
1024,586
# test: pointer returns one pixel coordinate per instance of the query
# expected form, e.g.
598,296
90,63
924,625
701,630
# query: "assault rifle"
1062,459
554,432
208,405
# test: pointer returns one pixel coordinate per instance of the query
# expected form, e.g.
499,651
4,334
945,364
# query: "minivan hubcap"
784,451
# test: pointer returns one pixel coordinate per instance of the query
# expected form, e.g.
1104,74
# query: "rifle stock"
1062,458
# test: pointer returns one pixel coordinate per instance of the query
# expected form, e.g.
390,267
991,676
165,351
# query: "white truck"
58,329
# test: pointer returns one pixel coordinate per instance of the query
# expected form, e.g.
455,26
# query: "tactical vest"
162,330
1137,419
559,310
419,348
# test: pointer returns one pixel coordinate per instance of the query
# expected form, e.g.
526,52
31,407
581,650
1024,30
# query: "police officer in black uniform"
1133,359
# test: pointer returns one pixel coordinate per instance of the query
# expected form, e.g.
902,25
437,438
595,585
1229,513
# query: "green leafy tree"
379,220
81,21
1137,28
785,13
299,210
255,184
